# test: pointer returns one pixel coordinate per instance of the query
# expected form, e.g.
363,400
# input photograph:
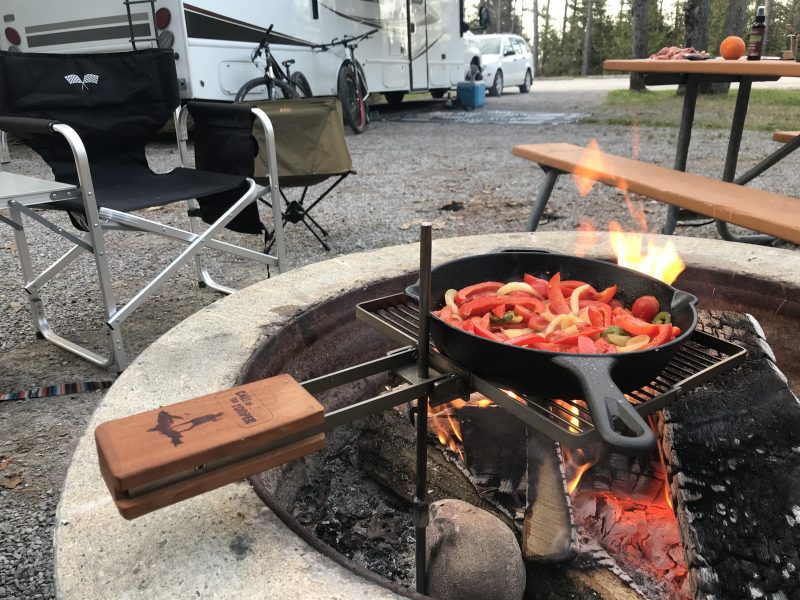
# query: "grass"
768,109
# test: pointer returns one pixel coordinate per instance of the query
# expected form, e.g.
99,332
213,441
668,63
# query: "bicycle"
351,82
291,85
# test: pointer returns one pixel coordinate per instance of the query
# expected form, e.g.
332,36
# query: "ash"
358,518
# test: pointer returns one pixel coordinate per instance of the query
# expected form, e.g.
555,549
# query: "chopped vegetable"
645,308
558,316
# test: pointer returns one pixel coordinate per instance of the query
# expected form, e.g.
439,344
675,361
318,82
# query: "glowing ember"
660,262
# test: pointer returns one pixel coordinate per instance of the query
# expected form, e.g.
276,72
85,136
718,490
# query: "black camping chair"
89,117
311,149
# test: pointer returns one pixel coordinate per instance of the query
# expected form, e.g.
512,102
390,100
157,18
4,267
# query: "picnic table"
691,73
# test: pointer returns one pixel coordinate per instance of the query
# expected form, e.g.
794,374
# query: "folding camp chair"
89,117
309,138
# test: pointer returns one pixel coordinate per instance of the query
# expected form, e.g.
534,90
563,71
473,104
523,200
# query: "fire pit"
225,543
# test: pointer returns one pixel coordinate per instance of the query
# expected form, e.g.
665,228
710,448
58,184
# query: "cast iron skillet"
600,379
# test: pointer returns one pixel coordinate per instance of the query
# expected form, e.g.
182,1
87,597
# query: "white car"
506,60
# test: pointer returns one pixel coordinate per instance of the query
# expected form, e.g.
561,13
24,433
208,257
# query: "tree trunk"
499,16
640,40
545,37
735,23
536,36
587,40
564,25
696,18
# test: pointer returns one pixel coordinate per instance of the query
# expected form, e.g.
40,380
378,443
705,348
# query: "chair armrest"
202,111
27,125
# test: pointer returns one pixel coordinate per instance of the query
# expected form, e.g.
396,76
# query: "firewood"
732,449
386,450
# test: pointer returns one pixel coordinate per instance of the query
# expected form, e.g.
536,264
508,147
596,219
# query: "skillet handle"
606,401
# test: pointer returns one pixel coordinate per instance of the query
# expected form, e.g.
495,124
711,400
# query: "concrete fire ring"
226,543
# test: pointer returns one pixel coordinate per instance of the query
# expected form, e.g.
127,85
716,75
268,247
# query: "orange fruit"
732,47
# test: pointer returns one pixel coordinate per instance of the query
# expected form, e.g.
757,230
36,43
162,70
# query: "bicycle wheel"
256,89
300,85
286,90
351,95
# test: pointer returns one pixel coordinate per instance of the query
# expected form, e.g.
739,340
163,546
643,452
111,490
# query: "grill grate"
700,359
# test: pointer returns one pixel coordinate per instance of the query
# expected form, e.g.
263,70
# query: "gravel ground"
460,176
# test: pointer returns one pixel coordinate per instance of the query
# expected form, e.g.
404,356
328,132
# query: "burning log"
733,455
386,451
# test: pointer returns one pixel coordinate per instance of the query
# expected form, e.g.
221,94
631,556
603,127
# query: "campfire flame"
661,262
576,463
447,429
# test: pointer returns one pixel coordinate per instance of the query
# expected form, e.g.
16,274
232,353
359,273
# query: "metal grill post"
420,507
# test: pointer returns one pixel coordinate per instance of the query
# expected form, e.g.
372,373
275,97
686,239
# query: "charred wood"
386,451
732,449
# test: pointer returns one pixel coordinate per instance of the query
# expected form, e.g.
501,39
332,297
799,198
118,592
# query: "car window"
520,46
489,45
508,46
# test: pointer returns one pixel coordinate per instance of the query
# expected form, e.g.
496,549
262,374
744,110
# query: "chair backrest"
115,101
309,137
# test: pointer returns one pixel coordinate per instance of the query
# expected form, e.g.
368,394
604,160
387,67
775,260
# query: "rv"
419,45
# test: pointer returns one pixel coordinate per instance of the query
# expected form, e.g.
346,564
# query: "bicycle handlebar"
344,41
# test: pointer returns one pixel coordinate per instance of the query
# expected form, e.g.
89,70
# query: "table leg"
684,139
731,160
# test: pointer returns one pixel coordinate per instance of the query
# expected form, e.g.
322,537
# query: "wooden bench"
785,137
754,209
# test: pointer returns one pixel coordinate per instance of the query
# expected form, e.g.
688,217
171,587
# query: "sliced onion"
576,296
635,343
450,300
512,333
555,322
519,286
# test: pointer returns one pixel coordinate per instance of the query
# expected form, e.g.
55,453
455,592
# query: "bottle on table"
756,41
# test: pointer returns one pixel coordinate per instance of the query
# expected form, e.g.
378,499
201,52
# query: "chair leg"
117,355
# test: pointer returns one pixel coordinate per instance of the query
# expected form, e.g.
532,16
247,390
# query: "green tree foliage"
612,31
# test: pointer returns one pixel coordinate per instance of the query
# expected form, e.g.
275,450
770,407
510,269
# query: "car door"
509,64
520,60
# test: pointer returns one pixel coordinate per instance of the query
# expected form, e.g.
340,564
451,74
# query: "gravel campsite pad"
460,177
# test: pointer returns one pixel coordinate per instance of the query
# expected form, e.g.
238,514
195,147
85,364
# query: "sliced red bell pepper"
499,310
596,316
464,294
558,304
570,285
540,285
602,306
601,345
607,294
527,340
538,323
570,340
586,345
482,304
547,346
481,327
676,331
632,325
662,337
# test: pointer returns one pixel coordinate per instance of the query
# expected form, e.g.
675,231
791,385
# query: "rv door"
418,43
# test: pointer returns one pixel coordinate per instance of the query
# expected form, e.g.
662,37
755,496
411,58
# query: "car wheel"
438,93
526,85
497,86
